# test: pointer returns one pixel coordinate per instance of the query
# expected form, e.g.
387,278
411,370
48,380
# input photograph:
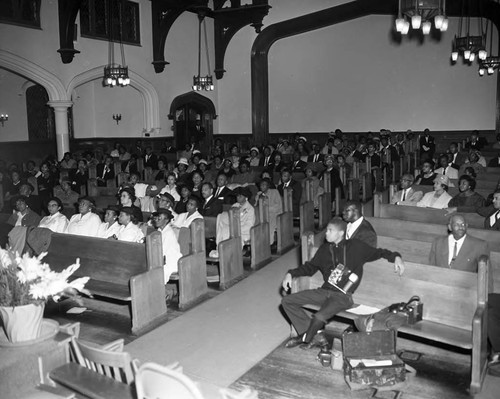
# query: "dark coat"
211,208
321,158
152,161
366,233
296,195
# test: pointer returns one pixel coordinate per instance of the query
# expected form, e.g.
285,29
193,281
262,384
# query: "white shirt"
352,227
184,220
493,218
172,191
131,233
140,189
106,231
86,225
451,246
19,221
56,222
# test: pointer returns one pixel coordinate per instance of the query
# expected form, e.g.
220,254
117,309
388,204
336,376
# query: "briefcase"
370,360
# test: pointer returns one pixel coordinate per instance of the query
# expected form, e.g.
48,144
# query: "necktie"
267,161
404,195
316,158
455,250
217,192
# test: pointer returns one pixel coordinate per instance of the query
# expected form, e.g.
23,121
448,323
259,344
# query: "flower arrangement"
26,280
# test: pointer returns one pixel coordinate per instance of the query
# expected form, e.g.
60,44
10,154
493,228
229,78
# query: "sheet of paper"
370,362
76,310
363,310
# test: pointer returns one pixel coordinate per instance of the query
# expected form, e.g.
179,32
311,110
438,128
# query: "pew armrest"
479,348
148,298
192,279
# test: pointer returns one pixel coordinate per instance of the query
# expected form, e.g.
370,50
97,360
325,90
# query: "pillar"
62,132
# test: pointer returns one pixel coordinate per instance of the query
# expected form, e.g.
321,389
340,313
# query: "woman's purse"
392,317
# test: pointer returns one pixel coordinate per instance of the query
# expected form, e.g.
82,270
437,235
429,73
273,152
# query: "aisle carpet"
219,340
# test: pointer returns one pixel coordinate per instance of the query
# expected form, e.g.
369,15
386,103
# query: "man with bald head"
458,250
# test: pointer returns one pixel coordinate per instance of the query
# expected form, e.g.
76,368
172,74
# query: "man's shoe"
293,342
319,341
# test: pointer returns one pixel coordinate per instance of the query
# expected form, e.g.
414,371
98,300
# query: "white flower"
5,260
31,268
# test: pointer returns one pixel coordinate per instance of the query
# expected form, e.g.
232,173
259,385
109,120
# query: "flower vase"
22,323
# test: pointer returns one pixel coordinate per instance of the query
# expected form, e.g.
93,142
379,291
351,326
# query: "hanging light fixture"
421,13
203,82
489,63
115,73
469,45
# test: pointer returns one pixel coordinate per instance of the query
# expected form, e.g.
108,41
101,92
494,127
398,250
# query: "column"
62,133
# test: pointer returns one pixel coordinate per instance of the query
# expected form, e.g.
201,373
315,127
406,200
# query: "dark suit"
103,176
296,195
211,208
298,166
321,158
459,160
270,163
487,223
467,258
427,141
151,161
226,195
494,163
366,233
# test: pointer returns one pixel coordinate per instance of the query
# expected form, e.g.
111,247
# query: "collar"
452,240
354,225
209,198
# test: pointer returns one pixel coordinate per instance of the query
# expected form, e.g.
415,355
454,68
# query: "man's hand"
399,265
287,282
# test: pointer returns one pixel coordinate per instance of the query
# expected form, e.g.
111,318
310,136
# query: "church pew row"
230,260
454,311
284,225
260,237
426,189
119,271
192,274
423,215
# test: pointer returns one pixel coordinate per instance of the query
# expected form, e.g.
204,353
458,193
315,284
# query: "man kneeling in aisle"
340,261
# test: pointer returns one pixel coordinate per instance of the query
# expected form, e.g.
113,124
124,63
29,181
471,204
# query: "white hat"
198,117
254,149
183,161
303,138
443,179
204,161
196,152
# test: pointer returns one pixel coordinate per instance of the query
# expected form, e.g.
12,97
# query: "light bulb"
454,56
482,54
490,70
438,21
481,71
467,54
472,57
109,80
426,27
120,80
444,27
400,23
416,20
128,81
406,28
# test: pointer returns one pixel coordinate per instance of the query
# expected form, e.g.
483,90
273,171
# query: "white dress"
428,201
86,225
56,222
130,233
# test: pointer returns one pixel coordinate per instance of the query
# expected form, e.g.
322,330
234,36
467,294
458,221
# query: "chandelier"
469,45
421,13
491,62
203,82
115,73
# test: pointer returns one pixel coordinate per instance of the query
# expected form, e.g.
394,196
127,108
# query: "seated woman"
335,180
144,193
110,226
197,179
427,175
56,221
128,199
68,197
129,231
166,201
234,156
473,162
162,219
227,169
311,176
181,171
185,219
438,198
467,200
80,176
254,158
245,177
22,218
162,172
171,187
273,198
84,223
247,220
185,191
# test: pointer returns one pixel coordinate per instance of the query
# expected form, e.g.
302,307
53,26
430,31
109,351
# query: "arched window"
40,116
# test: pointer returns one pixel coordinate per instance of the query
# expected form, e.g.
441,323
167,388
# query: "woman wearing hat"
334,175
228,168
235,156
439,198
129,231
273,199
181,170
254,158
84,223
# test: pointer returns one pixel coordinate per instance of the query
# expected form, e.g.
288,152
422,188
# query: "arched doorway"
184,111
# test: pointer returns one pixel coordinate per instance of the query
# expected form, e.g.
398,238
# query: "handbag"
392,317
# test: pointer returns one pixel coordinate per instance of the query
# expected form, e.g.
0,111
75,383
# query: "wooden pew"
307,210
118,271
230,260
455,305
325,204
414,240
284,224
192,275
423,215
426,189
260,237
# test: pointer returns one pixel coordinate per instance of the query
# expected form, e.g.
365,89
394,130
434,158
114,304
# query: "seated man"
212,206
492,213
295,186
407,195
357,226
341,263
446,167
458,250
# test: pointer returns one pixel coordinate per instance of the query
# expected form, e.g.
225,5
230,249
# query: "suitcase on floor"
370,360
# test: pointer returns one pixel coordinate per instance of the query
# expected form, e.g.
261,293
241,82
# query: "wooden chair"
155,381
